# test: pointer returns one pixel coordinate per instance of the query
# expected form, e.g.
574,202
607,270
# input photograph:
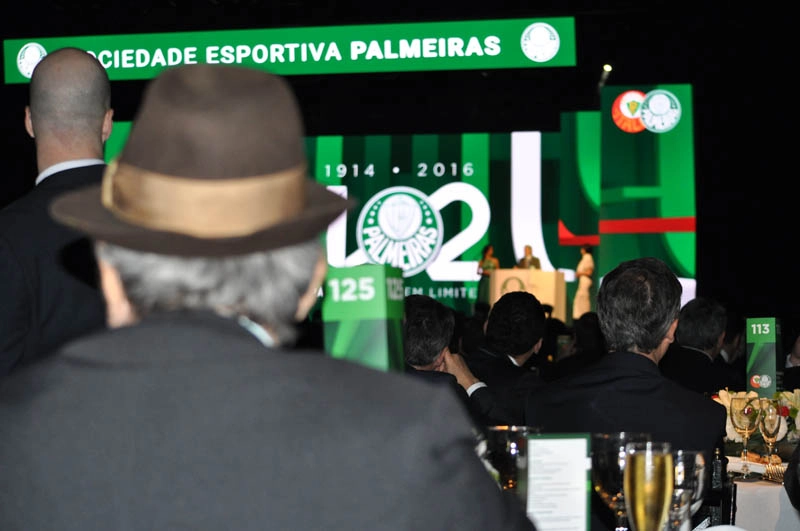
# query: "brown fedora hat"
214,165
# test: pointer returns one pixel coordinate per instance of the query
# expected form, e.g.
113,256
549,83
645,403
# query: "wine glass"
770,424
648,482
608,465
507,453
744,413
689,488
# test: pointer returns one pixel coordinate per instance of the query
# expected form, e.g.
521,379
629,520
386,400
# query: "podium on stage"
548,286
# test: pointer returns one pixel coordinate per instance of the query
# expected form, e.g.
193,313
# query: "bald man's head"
70,95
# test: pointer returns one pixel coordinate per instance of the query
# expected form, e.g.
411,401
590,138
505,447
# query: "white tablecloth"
764,506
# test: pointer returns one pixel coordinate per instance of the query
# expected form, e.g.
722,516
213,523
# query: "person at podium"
528,261
582,302
486,265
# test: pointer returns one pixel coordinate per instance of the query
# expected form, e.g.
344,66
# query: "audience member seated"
514,331
734,347
428,327
791,478
791,369
586,347
698,340
193,412
638,304
555,332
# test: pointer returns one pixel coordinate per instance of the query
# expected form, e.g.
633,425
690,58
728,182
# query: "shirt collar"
66,165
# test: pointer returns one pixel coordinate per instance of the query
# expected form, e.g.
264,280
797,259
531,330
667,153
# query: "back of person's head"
515,324
588,335
637,303
701,323
587,248
209,206
69,96
427,329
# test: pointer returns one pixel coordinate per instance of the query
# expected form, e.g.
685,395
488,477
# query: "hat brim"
83,211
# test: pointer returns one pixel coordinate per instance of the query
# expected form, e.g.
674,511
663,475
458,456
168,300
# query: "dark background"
737,59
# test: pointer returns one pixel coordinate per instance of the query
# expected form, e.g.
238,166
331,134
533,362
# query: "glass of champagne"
744,413
770,424
649,480
608,464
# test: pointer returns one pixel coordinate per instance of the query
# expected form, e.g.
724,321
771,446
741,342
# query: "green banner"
423,46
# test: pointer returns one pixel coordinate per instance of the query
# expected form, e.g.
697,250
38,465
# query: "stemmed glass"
608,465
744,413
770,424
689,491
649,480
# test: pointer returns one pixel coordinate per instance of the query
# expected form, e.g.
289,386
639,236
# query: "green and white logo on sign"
661,111
28,57
540,42
400,227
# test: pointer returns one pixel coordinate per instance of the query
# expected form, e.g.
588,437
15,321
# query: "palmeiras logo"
400,227
661,111
540,42
28,57
658,111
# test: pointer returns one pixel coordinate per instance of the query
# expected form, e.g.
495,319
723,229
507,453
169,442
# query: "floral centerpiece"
789,406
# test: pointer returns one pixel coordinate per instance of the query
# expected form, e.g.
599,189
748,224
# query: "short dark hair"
701,322
427,329
637,303
515,324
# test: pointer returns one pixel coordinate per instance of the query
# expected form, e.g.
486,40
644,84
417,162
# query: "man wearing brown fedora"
48,275
192,412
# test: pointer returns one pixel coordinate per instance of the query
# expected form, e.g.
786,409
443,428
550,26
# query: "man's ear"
119,311
108,124
309,298
538,346
28,122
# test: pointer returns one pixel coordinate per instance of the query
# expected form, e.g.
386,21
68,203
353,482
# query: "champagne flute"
649,480
690,479
608,464
770,424
744,413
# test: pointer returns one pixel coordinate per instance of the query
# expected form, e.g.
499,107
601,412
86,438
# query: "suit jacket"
446,379
186,421
508,383
696,371
791,479
624,391
48,275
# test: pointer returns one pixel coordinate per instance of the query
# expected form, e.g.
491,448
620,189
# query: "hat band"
222,208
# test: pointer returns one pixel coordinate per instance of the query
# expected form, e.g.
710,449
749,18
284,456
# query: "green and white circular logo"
540,42
400,227
661,111
28,57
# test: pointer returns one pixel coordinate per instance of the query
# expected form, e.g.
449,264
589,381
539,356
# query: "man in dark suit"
193,412
428,327
49,292
691,360
514,333
638,305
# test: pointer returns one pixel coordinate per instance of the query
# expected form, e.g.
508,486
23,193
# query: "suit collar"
66,165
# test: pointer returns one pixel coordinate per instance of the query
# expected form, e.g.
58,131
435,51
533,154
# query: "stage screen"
428,203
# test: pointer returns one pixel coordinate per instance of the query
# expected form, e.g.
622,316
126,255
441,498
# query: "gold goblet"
770,424
744,413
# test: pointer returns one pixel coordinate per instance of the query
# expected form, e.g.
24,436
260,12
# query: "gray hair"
265,286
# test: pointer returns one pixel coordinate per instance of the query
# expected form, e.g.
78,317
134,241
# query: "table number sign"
763,334
362,314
